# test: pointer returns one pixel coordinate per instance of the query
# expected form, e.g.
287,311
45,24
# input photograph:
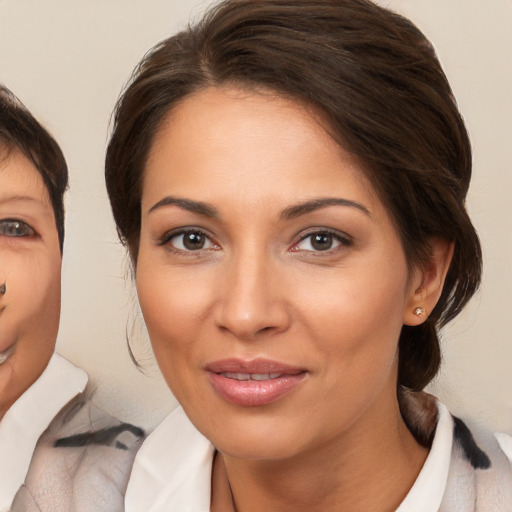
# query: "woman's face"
30,263
271,279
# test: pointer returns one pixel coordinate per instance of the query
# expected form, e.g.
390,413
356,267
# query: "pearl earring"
419,311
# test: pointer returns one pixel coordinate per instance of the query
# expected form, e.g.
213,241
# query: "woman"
35,383
45,421
289,178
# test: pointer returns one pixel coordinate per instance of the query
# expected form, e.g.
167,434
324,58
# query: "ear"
427,282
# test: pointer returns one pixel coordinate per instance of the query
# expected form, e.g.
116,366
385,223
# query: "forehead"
19,178
226,141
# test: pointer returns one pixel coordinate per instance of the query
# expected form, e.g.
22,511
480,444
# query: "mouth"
254,383
251,376
5,354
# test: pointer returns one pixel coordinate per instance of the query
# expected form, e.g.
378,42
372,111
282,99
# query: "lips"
253,383
5,354
8,342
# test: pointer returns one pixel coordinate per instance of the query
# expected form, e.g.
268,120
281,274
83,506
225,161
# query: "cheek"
356,320
33,293
171,303
29,322
40,285
174,306
354,303
47,311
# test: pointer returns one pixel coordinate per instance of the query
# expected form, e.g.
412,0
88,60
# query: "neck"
363,469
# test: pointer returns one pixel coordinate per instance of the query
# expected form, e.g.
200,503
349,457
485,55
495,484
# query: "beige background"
68,60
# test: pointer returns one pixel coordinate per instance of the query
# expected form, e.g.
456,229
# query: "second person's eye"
15,228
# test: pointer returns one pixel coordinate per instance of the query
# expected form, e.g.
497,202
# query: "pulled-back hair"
20,131
375,79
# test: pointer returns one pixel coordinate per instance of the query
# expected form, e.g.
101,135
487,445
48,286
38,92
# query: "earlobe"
428,283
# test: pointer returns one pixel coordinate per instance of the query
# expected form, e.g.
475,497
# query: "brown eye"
322,241
190,241
193,241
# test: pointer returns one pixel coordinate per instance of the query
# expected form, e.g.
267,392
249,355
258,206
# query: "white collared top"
28,418
172,470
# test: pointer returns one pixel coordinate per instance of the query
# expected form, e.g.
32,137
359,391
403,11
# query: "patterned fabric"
480,474
27,419
81,463
480,477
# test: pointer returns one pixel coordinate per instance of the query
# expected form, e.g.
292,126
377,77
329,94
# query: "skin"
257,289
30,264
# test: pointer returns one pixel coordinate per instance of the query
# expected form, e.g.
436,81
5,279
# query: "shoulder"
477,474
81,462
480,469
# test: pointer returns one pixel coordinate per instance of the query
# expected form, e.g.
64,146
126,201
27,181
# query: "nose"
250,300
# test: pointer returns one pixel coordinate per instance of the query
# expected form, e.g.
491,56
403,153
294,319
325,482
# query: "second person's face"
270,277
30,266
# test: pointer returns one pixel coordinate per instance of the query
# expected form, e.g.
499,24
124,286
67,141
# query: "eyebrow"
207,210
198,207
9,199
316,204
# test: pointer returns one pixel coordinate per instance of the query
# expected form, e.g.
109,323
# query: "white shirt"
172,470
29,417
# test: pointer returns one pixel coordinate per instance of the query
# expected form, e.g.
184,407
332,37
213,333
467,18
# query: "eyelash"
6,224
342,239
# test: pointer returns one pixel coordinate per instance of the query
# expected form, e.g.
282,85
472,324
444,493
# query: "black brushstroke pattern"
473,454
105,436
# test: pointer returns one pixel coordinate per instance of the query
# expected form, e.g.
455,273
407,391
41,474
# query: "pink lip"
283,379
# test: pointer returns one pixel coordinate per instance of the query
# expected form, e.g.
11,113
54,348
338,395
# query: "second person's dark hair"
19,130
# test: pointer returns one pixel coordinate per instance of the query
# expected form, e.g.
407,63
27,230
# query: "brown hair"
19,130
376,80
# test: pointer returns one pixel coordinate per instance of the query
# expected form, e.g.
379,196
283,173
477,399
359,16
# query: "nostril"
3,289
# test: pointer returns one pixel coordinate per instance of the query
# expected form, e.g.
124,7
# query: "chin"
257,448
257,438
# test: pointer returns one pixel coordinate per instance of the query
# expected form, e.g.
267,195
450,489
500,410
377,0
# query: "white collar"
429,487
29,417
174,465
175,462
